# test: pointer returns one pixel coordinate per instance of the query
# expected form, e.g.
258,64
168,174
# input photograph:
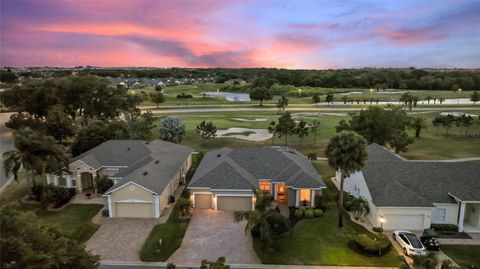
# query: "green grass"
433,143
319,242
465,255
171,233
74,219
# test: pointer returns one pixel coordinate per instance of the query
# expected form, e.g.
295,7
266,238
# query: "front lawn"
319,242
74,219
171,233
465,255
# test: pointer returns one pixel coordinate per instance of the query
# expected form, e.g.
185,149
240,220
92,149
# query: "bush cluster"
103,184
377,229
321,202
444,227
57,196
184,96
372,244
307,212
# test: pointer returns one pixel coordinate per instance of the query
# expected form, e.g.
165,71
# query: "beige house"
226,177
145,175
413,195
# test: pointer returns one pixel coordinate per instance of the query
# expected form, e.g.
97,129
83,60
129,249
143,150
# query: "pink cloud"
406,37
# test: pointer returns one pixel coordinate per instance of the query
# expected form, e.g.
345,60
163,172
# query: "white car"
409,242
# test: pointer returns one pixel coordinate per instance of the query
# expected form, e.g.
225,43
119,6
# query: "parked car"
429,240
409,242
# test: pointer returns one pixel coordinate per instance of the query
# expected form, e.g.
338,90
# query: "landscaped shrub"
308,213
347,201
255,232
312,156
56,196
37,191
428,261
103,184
372,244
298,213
321,202
278,224
377,229
171,266
184,96
185,207
318,212
444,227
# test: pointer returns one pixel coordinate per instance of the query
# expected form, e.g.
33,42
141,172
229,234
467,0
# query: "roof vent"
157,161
128,148
145,173
219,155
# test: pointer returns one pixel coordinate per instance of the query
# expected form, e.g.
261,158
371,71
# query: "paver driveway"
120,239
212,234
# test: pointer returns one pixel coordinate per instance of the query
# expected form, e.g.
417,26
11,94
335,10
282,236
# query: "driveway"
120,239
212,234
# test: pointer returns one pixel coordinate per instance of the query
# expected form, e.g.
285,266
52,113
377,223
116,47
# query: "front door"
87,181
281,192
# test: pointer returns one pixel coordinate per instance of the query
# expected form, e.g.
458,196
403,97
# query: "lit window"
265,186
305,195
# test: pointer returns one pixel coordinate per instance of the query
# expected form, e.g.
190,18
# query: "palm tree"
34,152
346,153
258,219
359,207
418,124
314,126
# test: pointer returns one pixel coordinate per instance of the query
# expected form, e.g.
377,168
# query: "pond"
231,96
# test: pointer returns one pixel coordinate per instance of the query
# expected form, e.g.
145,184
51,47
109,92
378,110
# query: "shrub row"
444,227
308,213
184,96
57,196
372,244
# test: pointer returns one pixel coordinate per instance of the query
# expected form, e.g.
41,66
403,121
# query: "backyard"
433,143
465,255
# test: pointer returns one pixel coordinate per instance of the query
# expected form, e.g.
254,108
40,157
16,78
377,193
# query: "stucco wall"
130,192
291,197
384,211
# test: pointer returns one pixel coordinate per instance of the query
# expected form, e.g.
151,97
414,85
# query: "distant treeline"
378,78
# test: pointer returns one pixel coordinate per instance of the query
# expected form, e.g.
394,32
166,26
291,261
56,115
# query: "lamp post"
459,91
371,91
382,221
299,92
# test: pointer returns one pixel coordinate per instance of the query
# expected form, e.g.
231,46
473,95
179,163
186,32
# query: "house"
226,177
145,175
412,195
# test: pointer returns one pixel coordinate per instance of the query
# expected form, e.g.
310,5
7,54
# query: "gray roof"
242,168
114,153
156,170
394,182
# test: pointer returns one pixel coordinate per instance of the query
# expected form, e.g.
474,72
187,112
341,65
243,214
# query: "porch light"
382,221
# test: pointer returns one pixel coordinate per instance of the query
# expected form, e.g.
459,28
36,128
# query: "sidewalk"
135,265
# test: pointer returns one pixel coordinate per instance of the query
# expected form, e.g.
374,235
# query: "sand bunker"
250,120
245,134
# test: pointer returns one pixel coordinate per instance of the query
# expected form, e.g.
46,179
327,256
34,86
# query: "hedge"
372,244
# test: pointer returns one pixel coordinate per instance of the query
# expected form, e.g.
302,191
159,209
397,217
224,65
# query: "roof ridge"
242,171
414,193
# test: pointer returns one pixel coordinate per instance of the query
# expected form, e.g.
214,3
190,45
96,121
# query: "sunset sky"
284,34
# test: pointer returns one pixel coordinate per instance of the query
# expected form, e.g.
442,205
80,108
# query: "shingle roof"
155,171
114,153
395,182
228,168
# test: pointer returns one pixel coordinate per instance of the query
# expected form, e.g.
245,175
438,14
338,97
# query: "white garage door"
403,222
234,203
203,200
134,210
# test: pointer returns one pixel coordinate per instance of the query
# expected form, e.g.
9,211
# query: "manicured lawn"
171,233
319,242
433,143
465,255
74,219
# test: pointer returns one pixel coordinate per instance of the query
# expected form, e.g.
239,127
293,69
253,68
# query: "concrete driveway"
212,234
120,239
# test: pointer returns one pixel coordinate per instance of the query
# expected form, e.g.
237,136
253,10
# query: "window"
265,186
439,215
305,195
74,182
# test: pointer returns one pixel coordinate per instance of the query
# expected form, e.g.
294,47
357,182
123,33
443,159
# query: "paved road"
346,109
108,265
6,144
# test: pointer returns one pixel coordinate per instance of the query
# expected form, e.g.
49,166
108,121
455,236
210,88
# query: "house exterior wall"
291,197
131,192
451,213
472,214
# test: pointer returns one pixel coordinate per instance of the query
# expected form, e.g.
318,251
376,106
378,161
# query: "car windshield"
414,240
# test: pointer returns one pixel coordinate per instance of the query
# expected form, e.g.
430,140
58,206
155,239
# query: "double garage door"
134,210
229,203
404,222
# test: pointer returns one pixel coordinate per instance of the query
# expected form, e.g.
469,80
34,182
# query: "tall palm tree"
418,124
34,152
347,153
